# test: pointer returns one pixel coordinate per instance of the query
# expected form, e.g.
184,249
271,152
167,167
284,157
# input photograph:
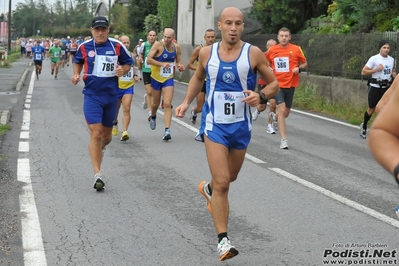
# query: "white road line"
23,146
24,135
31,232
324,118
328,193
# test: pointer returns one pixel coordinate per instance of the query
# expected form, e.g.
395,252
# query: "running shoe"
363,132
55,77
153,122
193,117
203,189
226,250
115,130
37,76
124,136
144,104
273,117
284,144
99,184
270,129
52,72
167,135
255,115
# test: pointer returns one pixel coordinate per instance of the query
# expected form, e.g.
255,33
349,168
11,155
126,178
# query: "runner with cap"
103,59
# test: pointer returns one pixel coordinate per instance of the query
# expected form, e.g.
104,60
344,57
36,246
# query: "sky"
4,4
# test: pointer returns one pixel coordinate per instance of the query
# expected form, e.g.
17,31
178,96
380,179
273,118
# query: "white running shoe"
226,250
273,117
363,132
99,184
193,116
270,129
145,102
284,144
255,115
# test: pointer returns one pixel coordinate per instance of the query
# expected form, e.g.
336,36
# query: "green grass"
3,129
307,98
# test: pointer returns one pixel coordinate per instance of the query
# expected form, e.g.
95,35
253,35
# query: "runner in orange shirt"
287,60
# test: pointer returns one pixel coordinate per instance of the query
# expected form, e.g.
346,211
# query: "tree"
138,10
152,22
293,14
120,18
166,12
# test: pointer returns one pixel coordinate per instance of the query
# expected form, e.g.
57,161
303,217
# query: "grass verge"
307,98
3,129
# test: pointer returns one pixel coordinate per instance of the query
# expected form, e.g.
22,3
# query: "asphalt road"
323,199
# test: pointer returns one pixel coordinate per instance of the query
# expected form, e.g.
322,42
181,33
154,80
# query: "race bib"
282,64
62,52
56,54
127,76
105,65
38,57
229,107
166,72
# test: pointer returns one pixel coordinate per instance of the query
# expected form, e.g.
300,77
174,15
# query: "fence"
335,55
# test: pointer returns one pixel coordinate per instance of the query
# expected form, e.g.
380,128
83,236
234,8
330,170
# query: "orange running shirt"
283,60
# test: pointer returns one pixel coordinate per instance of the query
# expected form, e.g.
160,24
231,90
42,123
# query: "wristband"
396,173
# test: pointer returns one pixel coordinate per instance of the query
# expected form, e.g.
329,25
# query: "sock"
210,189
116,123
166,129
221,236
366,119
153,117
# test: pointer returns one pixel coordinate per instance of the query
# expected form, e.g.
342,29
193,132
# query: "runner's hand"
75,79
252,98
180,111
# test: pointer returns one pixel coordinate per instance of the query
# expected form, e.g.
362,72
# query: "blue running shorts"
122,92
231,141
159,85
100,109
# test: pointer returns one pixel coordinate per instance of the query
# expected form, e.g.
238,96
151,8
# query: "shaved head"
228,11
169,32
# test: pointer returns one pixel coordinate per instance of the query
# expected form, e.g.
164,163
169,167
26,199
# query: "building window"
190,5
208,3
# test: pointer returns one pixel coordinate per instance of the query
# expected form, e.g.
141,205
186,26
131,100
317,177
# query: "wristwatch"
263,99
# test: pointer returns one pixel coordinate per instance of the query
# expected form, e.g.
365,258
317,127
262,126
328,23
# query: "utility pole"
109,12
9,27
65,15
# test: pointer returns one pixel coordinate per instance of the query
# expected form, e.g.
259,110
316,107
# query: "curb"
5,114
5,117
